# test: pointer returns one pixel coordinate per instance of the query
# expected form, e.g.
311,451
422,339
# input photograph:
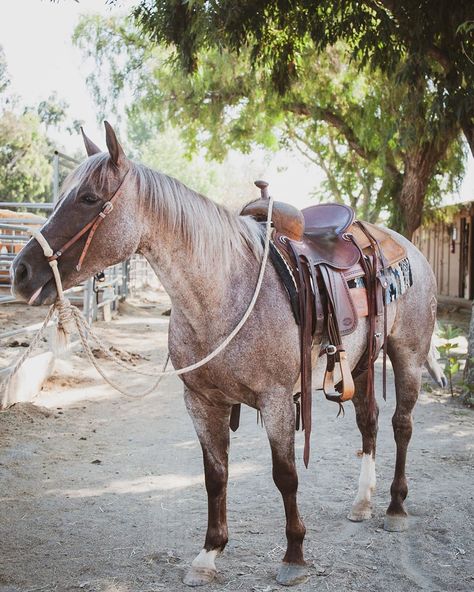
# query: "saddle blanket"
399,278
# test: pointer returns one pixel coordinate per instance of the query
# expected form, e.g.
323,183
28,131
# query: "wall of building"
442,244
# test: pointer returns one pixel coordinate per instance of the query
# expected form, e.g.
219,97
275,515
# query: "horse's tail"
433,367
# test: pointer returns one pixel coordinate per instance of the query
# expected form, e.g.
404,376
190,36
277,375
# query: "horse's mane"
208,231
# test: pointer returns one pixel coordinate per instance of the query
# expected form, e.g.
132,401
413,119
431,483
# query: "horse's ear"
115,150
91,148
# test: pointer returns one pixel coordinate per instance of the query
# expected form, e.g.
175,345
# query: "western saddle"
334,270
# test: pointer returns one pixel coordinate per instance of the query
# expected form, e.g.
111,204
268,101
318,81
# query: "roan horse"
208,258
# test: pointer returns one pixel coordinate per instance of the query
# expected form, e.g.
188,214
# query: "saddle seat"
325,239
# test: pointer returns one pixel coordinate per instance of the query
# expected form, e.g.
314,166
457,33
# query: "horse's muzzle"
31,283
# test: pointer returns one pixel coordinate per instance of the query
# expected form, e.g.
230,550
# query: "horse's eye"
89,199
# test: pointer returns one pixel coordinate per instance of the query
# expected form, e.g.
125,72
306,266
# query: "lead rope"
70,318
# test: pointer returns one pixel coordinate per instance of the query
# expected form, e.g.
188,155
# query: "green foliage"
423,49
357,125
25,149
107,42
25,171
452,366
52,111
428,39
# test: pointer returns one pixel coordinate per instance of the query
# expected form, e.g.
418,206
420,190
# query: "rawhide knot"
66,319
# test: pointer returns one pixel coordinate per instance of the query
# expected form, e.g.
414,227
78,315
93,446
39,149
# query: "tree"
416,42
52,111
25,171
372,137
432,40
26,150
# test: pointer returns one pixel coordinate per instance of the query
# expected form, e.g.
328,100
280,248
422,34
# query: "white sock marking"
366,479
206,559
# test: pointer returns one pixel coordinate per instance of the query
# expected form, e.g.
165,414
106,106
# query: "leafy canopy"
25,171
435,38
356,124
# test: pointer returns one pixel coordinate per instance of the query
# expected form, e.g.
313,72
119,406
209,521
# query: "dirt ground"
101,493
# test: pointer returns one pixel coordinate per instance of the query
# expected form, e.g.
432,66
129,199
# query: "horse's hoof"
360,512
199,576
291,574
359,515
395,523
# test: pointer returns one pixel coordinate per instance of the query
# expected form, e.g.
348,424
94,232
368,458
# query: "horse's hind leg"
212,427
279,420
367,421
407,368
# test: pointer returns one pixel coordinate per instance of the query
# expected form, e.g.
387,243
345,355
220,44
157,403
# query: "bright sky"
36,37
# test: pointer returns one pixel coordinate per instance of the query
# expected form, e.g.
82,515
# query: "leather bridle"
91,227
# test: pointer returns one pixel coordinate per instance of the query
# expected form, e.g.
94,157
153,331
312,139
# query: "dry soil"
101,493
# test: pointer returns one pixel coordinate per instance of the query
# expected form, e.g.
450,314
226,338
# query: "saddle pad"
399,279
392,250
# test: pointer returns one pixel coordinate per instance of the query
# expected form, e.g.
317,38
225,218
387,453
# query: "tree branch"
317,159
336,121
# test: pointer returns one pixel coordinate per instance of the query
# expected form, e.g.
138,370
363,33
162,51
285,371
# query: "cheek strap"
91,226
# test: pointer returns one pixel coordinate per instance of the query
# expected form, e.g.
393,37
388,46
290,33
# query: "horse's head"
85,198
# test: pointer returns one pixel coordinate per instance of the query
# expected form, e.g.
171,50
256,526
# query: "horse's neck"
195,289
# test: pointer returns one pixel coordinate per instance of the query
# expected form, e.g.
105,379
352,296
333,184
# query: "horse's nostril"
22,273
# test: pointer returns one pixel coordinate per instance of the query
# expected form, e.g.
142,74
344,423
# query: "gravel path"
100,493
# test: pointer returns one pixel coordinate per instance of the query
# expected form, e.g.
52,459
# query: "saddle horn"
286,219
263,186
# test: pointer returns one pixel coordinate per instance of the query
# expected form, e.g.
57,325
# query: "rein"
70,318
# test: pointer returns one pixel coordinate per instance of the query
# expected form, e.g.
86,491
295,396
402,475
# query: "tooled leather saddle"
334,269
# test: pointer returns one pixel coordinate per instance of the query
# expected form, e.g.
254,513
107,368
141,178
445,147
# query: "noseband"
91,227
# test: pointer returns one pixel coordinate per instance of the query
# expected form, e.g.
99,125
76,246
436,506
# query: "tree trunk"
420,166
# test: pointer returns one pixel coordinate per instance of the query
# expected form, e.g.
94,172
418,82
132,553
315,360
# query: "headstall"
91,227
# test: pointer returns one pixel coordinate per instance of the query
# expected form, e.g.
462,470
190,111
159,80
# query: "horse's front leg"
212,427
279,420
